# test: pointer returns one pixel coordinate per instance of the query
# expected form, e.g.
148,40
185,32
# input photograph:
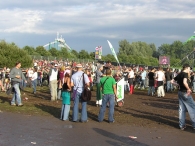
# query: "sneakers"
85,121
111,121
13,104
183,128
20,105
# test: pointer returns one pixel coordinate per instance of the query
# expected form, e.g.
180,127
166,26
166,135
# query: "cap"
79,66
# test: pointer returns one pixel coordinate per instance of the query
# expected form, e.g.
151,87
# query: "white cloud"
116,19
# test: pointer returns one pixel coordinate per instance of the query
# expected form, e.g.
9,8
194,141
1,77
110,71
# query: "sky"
86,24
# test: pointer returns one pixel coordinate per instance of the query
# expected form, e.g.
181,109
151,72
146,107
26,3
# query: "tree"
10,54
54,52
42,51
75,53
64,53
83,54
29,50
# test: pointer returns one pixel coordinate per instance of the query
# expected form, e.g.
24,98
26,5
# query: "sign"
120,90
164,60
98,53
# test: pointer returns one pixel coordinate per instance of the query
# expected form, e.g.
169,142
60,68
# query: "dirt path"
154,121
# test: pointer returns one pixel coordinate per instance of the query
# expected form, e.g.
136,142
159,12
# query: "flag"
120,90
113,51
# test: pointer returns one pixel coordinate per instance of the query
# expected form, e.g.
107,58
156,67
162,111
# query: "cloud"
151,20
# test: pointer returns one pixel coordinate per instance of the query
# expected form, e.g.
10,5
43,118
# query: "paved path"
24,130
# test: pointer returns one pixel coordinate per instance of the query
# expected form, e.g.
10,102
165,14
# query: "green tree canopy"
10,54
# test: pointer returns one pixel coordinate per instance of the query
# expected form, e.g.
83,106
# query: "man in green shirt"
108,85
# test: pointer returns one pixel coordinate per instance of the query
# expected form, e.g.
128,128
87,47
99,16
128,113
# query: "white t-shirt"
34,76
131,74
160,76
30,73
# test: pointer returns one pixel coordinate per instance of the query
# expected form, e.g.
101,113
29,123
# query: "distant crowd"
67,80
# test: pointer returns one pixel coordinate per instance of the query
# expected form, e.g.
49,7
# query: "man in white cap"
53,73
77,83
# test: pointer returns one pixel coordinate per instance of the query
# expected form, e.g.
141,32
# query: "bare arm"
115,92
69,83
186,85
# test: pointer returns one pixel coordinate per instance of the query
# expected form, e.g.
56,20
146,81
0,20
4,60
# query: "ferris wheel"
59,42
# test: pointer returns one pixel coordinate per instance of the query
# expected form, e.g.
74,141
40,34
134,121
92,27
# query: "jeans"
34,85
75,115
169,86
111,99
126,86
65,112
193,86
151,88
186,103
143,84
16,95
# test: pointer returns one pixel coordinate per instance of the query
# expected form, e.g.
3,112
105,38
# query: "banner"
113,51
98,53
120,90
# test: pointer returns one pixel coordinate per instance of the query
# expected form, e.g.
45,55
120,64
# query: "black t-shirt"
151,75
168,75
179,78
125,74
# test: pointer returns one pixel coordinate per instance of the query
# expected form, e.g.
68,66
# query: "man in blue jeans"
77,83
17,77
108,85
186,102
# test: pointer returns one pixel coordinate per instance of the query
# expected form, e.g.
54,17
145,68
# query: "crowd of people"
65,81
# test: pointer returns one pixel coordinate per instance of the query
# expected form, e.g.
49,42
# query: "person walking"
77,84
109,92
186,102
16,76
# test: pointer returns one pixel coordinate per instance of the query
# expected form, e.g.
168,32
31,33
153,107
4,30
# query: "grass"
38,104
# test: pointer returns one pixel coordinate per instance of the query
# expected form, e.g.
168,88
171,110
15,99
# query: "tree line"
131,53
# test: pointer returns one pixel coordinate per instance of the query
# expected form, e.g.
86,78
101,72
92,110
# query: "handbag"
86,94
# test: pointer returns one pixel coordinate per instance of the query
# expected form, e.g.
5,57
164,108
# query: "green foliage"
83,55
42,51
54,52
29,50
10,54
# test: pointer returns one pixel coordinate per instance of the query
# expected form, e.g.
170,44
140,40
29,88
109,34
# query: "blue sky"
89,23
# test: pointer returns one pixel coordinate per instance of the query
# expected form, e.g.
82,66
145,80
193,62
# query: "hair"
160,68
108,72
18,62
62,68
35,69
108,62
185,66
67,74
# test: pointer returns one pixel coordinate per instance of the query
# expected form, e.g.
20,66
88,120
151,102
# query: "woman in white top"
34,80
160,76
